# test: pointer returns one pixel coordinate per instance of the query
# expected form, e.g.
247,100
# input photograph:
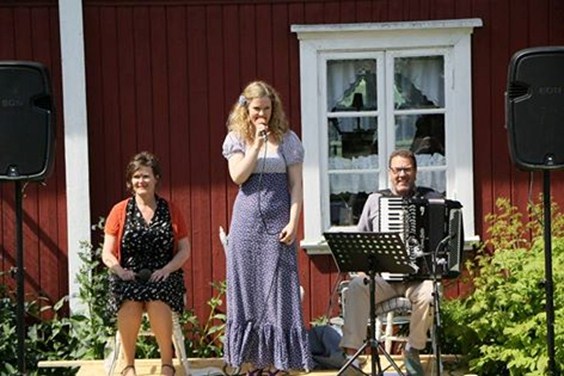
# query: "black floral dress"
148,246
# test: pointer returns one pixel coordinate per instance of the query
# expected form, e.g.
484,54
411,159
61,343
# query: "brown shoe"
125,371
169,367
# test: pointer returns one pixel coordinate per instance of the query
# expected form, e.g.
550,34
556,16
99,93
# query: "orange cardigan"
116,221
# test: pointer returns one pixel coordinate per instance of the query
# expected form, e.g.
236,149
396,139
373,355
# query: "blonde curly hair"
240,122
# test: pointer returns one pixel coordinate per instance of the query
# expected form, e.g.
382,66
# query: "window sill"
314,248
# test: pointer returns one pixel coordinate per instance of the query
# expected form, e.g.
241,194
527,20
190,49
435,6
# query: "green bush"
45,339
8,347
500,327
205,340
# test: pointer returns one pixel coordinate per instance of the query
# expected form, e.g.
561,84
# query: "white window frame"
317,42
378,56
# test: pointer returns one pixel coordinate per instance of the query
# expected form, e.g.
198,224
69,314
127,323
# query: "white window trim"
340,38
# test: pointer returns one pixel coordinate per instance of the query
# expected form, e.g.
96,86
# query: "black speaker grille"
26,124
517,89
535,108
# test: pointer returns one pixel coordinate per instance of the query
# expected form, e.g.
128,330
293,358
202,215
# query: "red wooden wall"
29,31
162,75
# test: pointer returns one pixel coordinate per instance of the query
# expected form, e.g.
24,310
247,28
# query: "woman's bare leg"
129,322
160,317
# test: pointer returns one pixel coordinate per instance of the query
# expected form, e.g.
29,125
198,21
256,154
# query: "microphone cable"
259,190
263,219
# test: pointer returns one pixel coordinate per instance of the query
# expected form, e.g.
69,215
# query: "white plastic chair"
389,313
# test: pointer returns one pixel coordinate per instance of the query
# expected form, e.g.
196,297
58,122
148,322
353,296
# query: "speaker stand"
548,283
437,321
19,274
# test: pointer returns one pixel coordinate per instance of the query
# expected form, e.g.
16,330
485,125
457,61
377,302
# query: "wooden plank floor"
203,367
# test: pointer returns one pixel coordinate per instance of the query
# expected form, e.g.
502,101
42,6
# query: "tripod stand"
370,253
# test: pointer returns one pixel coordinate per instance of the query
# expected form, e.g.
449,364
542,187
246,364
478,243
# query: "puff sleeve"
292,149
232,145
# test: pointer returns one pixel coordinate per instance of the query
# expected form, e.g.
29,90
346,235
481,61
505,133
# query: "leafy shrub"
8,349
45,339
206,340
500,327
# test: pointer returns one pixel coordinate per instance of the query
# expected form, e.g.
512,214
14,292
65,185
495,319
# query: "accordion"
431,230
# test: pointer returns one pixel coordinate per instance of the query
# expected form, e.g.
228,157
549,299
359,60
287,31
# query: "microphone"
264,135
143,275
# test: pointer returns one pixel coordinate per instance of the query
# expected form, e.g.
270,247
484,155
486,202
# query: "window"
367,89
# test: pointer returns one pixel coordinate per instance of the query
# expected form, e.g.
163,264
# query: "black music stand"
370,252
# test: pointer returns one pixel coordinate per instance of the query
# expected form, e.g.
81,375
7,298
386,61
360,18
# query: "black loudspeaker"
535,108
27,129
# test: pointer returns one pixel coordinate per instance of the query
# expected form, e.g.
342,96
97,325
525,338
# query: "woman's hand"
288,234
160,275
124,274
261,133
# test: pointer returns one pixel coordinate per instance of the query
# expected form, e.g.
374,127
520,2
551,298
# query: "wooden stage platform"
206,367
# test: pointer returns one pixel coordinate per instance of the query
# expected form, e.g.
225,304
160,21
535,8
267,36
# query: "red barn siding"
218,202
163,75
29,31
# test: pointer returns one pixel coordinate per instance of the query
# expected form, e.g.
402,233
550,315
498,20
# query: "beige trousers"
357,309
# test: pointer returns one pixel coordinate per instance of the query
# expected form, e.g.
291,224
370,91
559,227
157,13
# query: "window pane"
352,137
346,207
353,141
351,85
419,82
353,182
433,179
422,134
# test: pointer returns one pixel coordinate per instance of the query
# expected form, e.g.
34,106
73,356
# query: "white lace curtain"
342,76
425,74
367,181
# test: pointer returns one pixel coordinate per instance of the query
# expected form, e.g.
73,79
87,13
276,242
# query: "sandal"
169,366
127,368
275,372
255,372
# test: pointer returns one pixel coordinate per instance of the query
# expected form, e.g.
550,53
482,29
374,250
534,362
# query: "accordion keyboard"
392,214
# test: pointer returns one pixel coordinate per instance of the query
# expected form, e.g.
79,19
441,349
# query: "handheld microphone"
264,135
144,275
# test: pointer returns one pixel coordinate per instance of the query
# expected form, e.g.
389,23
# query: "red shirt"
116,221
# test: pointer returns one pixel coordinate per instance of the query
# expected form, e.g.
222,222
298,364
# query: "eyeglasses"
398,170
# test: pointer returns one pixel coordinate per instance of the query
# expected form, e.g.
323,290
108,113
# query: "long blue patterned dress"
264,315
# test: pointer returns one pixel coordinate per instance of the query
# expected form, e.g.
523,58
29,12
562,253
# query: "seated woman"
145,246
